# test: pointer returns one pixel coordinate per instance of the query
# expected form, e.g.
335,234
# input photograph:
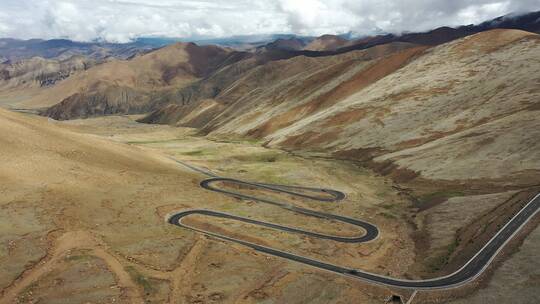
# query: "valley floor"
96,233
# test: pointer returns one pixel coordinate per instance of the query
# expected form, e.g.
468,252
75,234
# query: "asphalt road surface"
468,272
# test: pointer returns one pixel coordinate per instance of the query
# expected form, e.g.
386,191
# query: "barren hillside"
50,174
40,72
326,43
26,78
243,91
129,86
475,99
472,98
83,217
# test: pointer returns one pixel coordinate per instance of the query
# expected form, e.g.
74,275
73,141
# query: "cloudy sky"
123,20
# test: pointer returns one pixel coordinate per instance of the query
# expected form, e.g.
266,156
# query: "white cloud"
123,20
4,28
314,17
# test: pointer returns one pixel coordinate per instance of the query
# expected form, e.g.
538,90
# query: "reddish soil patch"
380,69
277,122
366,77
310,138
493,40
289,117
360,154
420,141
346,117
388,168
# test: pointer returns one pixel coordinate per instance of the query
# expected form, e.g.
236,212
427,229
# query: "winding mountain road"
468,272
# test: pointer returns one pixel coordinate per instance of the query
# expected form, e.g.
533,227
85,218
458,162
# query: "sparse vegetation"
145,142
269,157
235,140
141,280
438,196
389,206
439,262
193,153
388,215
79,258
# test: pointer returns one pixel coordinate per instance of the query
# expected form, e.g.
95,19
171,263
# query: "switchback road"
468,272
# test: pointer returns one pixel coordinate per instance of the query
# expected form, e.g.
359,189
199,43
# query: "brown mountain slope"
255,94
38,150
40,72
214,85
128,86
478,93
326,43
286,44
529,22
56,183
29,77
467,103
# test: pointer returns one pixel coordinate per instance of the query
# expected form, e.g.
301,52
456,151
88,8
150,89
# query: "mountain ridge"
351,125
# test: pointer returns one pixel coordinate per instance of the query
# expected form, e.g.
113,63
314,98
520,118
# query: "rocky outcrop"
40,72
113,100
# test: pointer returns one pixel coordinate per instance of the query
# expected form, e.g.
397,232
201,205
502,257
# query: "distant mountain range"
333,44
13,49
